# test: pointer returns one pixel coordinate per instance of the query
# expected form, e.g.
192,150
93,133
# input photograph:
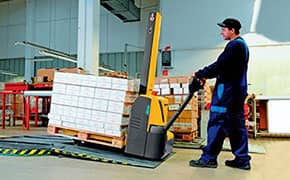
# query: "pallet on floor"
112,141
185,137
181,130
123,75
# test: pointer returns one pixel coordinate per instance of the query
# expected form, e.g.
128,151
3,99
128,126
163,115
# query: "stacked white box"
92,103
100,104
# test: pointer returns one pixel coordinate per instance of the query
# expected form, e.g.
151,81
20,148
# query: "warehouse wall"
56,27
12,28
195,39
193,30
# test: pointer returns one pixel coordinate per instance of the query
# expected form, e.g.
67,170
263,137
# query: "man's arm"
213,70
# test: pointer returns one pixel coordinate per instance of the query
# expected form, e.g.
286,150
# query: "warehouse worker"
226,113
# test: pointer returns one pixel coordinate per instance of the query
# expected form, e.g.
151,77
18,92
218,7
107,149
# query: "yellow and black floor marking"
24,152
86,157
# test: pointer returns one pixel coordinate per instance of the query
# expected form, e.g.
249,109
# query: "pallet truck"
148,131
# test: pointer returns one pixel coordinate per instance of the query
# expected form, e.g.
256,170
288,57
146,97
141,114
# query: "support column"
30,36
88,35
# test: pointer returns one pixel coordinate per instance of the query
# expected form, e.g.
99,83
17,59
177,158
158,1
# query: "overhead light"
40,47
46,53
105,69
53,53
8,73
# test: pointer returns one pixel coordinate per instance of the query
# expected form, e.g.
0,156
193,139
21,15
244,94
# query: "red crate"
16,86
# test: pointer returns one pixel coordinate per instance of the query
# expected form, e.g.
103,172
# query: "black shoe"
202,164
239,165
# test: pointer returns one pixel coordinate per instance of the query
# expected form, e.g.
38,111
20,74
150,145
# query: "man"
226,113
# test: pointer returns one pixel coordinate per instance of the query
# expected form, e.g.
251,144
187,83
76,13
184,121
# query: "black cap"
231,23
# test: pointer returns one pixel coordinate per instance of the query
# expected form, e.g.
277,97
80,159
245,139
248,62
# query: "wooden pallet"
185,137
181,130
116,142
123,75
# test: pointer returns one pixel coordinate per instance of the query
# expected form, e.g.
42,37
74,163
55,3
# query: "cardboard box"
102,93
83,114
54,117
116,95
87,91
116,118
90,81
60,77
114,133
119,81
59,110
73,90
157,80
73,111
164,86
187,123
54,122
100,104
171,99
134,85
185,90
173,107
177,91
99,116
57,98
72,70
100,131
165,92
184,85
164,80
104,82
174,85
111,126
71,100
117,107
189,114
130,98
184,79
156,86
174,99
121,87
68,119
84,102
172,80
97,125
75,79
81,127
45,74
59,88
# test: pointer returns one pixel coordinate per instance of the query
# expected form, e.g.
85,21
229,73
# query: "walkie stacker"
148,131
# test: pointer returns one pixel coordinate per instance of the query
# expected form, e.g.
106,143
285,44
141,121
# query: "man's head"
230,28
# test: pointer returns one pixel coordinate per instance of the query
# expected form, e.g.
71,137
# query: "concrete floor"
275,164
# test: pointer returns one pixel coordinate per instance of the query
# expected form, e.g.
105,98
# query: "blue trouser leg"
238,136
215,138
221,125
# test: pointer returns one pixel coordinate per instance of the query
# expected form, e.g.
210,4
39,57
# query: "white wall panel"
3,42
15,33
62,9
73,38
43,10
62,29
4,14
42,33
16,11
